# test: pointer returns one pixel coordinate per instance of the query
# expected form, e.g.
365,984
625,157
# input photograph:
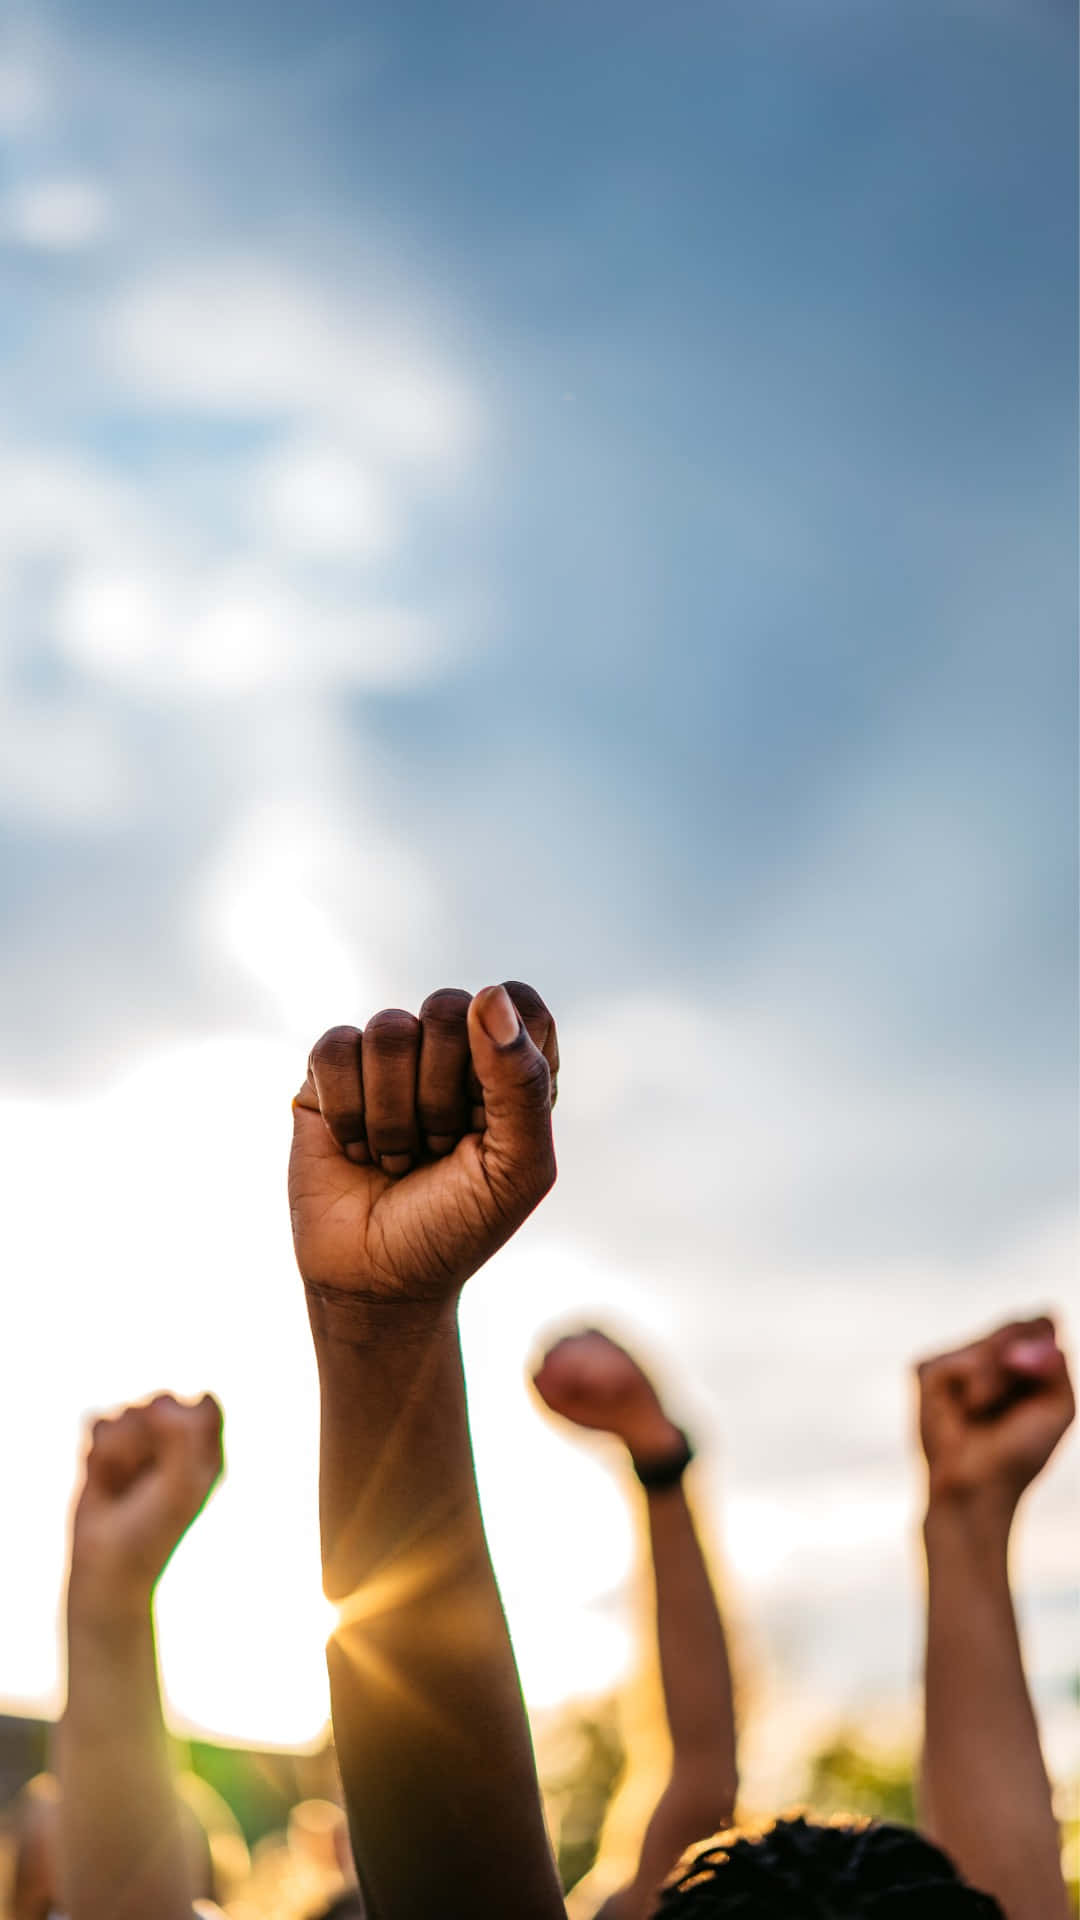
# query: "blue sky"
584,493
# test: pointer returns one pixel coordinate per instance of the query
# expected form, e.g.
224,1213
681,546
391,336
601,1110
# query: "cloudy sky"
584,493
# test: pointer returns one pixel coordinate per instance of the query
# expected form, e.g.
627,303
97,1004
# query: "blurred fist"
149,1471
421,1144
592,1381
991,1414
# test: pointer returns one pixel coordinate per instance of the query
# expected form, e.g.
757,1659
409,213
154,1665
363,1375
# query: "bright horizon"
197,1139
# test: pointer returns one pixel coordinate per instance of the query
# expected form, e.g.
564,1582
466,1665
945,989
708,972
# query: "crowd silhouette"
421,1145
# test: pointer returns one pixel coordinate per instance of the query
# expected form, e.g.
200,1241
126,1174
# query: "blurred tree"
582,1764
849,1776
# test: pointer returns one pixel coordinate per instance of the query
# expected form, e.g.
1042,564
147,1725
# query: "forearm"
698,1702
985,1788
432,1738
694,1664
123,1850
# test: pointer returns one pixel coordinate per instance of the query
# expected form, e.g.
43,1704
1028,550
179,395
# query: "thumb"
516,1085
1038,1358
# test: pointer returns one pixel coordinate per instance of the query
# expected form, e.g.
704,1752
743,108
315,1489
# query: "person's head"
798,1870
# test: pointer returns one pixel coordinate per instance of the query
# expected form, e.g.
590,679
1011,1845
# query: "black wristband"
656,1475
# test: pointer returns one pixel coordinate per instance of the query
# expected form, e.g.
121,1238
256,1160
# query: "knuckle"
336,1048
392,1031
446,1007
526,1000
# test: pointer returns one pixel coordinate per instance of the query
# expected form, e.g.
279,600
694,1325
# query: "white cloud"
115,623
56,215
220,632
319,500
311,912
738,1132
234,337
58,504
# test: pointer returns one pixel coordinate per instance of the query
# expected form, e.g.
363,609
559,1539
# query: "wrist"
107,1603
651,1435
661,1465
344,1317
975,1522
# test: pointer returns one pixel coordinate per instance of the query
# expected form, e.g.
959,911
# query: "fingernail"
395,1162
1031,1353
356,1151
498,1016
440,1144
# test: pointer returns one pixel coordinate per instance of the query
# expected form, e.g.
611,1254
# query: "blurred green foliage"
847,1776
581,1770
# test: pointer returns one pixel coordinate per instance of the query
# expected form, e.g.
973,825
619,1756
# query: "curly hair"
799,1870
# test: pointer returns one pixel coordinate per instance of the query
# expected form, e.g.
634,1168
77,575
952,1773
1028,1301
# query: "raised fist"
991,1414
592,1381
421,1144
149,1471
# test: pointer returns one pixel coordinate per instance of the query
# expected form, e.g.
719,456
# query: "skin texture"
149,1472
590,1380
36,1889
421,1144
990,1416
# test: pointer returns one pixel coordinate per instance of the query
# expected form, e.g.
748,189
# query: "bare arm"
440,1783
591,1380
122,1846
991,1415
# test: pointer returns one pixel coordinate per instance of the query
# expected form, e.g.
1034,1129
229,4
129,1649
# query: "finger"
539,1024
1036,1357
120,1449
212,1419
442,1081
389,1053
552,1362
992,1386
334,1070
552,1352
971,1377
1036,1335
516,1081
187,1442
987,1383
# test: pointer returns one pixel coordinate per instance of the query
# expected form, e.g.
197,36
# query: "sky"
582,494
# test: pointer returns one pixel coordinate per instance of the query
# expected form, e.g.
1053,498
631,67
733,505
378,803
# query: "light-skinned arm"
420,1146
149,1472
991,1414
589,1379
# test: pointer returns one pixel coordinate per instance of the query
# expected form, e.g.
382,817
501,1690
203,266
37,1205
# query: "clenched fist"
149,1471
421,1144
991,1414
589,1379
